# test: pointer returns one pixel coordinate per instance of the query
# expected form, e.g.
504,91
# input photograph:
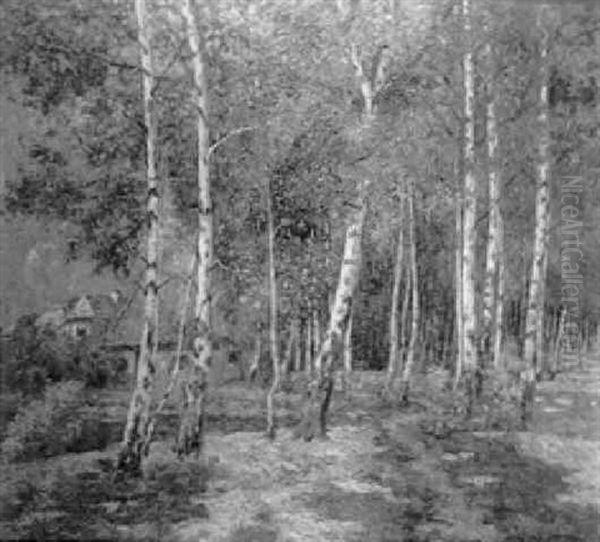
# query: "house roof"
89,307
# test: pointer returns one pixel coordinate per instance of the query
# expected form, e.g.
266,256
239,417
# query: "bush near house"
46,426
34,357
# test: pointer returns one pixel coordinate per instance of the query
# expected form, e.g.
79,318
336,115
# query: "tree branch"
222,140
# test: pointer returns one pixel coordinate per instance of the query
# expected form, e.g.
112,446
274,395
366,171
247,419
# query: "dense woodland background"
73,152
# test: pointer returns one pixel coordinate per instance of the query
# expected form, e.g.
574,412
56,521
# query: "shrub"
37,356
17,493
9,406
46,426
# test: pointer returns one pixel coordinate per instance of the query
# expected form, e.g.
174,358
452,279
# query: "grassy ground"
385,473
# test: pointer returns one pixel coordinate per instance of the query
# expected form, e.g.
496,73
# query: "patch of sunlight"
305,526
551,409
460,456
480,480
356,486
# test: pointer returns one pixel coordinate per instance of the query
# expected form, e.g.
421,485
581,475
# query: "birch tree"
393,360
273,334
469,210
191,429
535,304
320,387
493,237
458,286
414,331
138,416
308,353
499,316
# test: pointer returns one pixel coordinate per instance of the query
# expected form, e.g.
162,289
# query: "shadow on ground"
519,494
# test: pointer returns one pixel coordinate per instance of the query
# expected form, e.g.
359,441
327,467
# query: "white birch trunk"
540,317
414,332
469,231
321,385
558,340
536,301
297,345
191,430
348,344
499,316
273,331
185,298
493,238
392,367
138,417
541,219
316,337
308,356
458,272
254,368
404,323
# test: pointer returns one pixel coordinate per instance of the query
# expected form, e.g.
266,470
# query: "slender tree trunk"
410,354
541,364
316,336
557,341
458,273
290,357
392,367
298,346
536,300
499,317
308,347
493,245
469,231
254,369
348,343
320,387
191,429
273,335
138,417
175,370
404,325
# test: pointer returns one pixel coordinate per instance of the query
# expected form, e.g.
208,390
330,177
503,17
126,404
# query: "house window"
81,331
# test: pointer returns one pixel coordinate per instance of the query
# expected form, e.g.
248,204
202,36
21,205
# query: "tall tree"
138,417
536,303
498,330
493,237
320,386
273,323
414,331
347,355
469,210
458,287
191,430
308,353
392,367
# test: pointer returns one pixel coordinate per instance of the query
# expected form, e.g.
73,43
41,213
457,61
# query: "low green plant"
46,426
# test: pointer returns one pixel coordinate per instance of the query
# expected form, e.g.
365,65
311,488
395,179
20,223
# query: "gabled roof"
80,309
89,307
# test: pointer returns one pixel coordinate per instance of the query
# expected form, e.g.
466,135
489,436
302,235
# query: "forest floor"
385,473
